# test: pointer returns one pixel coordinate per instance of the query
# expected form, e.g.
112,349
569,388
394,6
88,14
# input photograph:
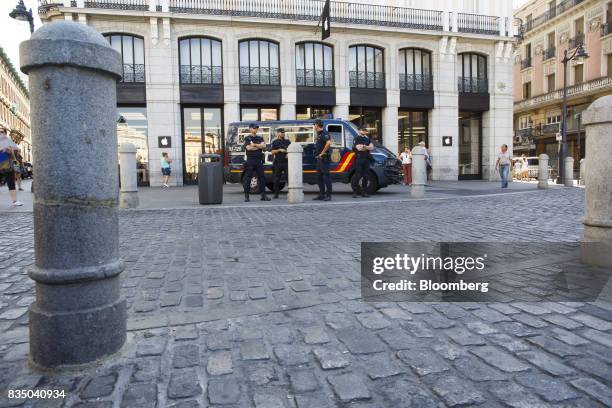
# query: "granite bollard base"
128,199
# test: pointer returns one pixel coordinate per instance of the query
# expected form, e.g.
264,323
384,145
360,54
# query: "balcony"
473,85
549,53
139,5
551,128
526,63
556,96
606,29
576,41
196,74
477,24
314,77
362,79
259,76
411,82
549,15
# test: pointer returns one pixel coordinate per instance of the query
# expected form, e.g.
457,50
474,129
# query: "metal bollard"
568,172
419,172
582,180
543,171
128,197
79,315
295,174
596,248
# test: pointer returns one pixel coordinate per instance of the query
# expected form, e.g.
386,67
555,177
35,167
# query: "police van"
385,168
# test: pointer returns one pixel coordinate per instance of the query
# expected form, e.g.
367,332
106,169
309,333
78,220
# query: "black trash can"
210,179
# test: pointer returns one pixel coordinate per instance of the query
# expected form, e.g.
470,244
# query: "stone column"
568,171
128,197
543,171
295,174
79,315
419,172
597,244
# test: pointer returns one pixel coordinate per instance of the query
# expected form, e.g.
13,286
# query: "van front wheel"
271,186
372,183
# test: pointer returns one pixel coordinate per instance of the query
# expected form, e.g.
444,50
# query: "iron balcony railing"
549,53
550,128
133,73
606,29
473,85
363,79
526,63
314,77
140,5
415,82
550,14
196,74
477,24
525,133
576,41
259,76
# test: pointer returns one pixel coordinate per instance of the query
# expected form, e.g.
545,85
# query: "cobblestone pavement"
259,307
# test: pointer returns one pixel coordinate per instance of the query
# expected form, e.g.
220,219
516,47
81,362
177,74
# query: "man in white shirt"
504,159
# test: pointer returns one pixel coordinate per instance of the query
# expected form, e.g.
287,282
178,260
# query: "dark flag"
325,21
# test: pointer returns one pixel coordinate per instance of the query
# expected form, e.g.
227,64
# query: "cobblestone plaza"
260,307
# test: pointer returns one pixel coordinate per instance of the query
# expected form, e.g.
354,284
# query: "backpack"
5,162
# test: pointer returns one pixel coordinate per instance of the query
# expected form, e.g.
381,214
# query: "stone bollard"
79,315
568,172
419,172
582,180
597,245
128,197
295,174
543,171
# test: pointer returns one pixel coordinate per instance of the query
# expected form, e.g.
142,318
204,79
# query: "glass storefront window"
132,128
412,129
202,133
258,113
312,112
370,118
470,150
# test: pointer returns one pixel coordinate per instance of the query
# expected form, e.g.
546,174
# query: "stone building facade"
549,28
15,106
409,70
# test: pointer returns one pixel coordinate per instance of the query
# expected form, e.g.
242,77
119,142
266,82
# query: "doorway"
202,134
470,146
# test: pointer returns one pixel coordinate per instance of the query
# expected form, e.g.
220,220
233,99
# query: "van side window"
300,133
349,139
335,132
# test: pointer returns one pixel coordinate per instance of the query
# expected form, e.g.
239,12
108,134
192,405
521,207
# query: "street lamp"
20,13
579,54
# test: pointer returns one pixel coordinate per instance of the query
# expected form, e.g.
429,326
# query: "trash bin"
210,179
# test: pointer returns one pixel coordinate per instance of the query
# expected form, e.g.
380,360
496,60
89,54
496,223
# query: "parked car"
385,168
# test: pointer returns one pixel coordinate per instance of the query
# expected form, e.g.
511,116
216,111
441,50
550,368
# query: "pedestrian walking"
362,146
429,161
322,154
254,146
504,159
166,169
19,169
279,164
7,171
406,159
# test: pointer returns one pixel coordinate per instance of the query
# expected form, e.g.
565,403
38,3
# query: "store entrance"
371,118
470,146
202,133
412,128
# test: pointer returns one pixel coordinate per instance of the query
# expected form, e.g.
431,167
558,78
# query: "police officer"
323,156
279,164
254,146
362,146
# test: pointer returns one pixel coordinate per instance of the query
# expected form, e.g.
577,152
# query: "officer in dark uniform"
362,146
323,156
254,146
279,165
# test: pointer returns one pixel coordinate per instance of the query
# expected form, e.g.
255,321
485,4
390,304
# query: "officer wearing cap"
362,146
279,164
254,146
322,154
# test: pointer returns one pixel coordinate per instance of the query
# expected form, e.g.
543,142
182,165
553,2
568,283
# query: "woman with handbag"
7,171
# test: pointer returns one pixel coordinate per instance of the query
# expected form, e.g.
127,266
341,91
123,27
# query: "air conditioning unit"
518,139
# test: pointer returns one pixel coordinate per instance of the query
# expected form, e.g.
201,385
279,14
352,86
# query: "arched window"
366,67
415,73
314,64
473,73
259,62
131,49
200,61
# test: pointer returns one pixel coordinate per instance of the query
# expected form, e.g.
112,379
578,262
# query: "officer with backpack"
362,146
7,171
254,146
